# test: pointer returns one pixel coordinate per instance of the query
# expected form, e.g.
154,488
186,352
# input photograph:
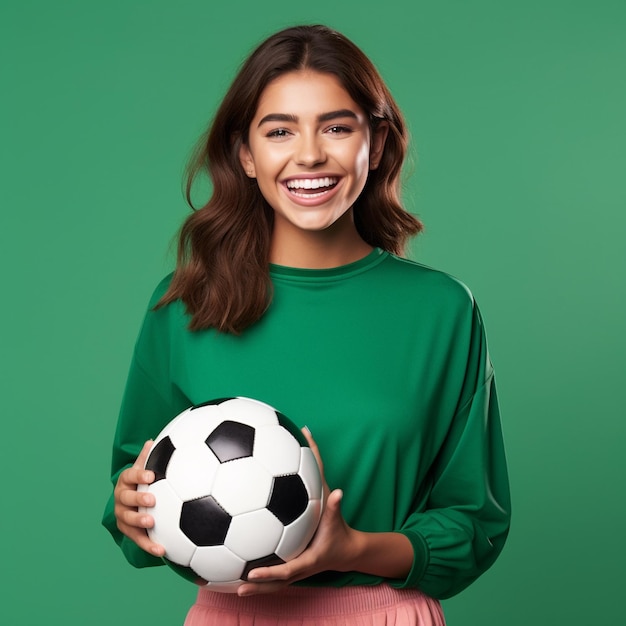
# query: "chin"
316,227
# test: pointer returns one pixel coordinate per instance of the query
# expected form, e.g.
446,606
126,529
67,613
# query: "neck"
334,246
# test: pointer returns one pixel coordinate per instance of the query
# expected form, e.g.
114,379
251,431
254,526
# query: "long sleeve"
150,401
462,522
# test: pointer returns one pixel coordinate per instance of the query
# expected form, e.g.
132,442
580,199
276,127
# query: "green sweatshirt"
385,360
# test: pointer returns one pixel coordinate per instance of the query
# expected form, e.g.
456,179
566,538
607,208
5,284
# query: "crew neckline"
331,273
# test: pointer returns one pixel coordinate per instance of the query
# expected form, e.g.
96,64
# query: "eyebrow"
323,117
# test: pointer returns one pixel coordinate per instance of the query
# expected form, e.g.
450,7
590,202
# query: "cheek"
362,157
269,163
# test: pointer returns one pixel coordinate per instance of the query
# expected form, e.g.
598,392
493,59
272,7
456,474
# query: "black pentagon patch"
289,498
187,573
204,521
287,424
231,440
266,561
160,457
211,402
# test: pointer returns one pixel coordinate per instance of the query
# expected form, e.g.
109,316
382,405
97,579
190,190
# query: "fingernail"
307,429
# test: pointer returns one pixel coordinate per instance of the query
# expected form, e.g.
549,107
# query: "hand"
127,500
330,549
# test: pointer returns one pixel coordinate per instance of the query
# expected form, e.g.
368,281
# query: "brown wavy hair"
222,272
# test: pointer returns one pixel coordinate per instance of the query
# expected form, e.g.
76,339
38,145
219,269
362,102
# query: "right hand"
127,501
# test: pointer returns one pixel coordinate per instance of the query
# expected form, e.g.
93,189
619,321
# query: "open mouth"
311,187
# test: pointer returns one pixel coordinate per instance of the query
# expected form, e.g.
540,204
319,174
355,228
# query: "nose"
309,150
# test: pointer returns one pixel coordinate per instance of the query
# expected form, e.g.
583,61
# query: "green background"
517,113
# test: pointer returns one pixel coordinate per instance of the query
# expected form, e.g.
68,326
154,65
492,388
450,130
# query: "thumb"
333,503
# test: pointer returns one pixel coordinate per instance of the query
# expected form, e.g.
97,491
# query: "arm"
462,527
462,512
150,401
141,414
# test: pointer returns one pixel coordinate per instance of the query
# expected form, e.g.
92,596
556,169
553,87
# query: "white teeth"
311,183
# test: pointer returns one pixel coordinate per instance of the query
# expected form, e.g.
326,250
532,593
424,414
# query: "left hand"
330,549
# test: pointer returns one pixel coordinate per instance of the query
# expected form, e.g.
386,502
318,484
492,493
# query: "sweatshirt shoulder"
160,290
419,278
160,318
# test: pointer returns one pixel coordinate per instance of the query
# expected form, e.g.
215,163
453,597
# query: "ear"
246,160
377,147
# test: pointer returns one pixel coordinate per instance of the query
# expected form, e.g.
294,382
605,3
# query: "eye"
277,133
338,129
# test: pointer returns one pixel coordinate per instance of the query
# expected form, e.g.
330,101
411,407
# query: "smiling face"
310,148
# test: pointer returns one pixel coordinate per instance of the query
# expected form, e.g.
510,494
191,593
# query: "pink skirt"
318,606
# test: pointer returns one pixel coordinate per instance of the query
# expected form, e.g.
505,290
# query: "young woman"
290,288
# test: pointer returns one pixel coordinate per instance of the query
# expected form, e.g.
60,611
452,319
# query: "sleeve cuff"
136,556
421,555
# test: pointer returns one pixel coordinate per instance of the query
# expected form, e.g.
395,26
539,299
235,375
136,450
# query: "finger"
140,537
252,589
135,499
310,440
298,568
276,573
135,526
274,578
313,445
134,520
331,514
133,476
333,502
143,455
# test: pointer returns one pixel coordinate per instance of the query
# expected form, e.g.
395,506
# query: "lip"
310,176
316,199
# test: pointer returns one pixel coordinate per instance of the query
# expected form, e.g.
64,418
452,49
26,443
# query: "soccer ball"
236,487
